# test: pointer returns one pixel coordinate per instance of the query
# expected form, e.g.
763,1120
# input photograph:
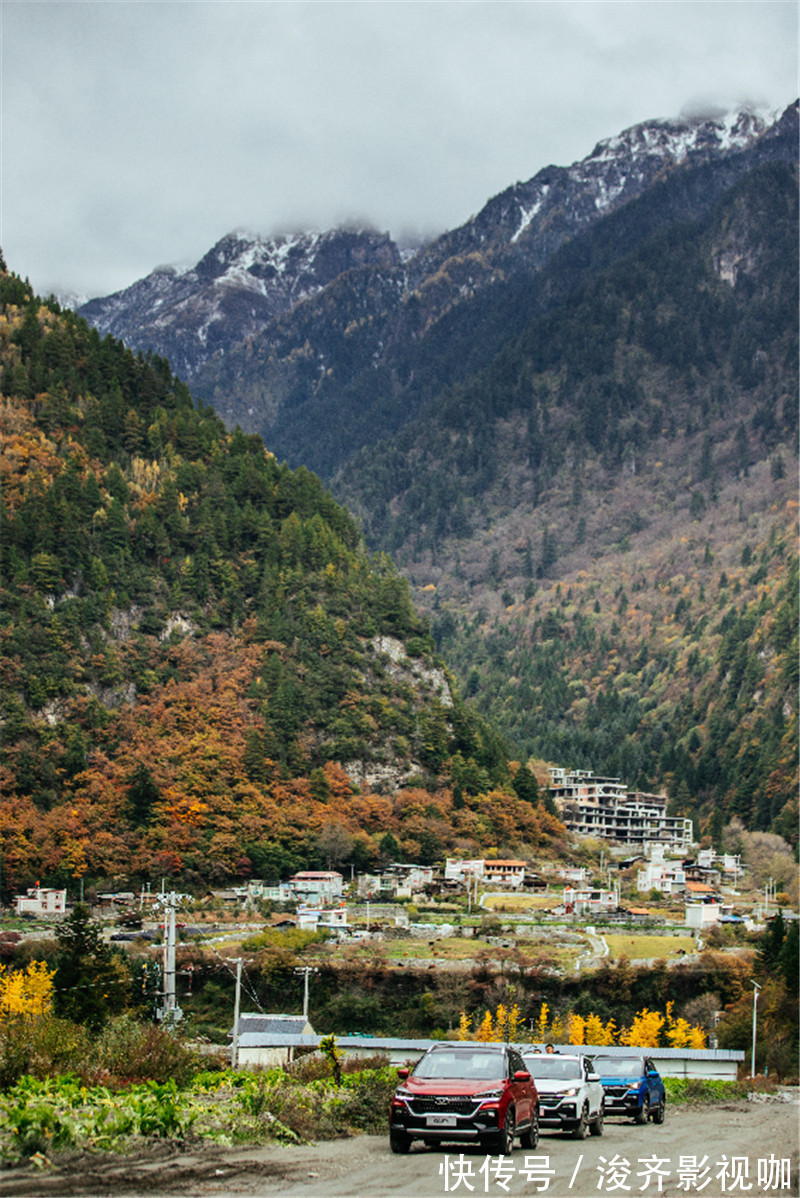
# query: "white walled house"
589,901
317,886
319,919
667,876
702,915
41,900
458,870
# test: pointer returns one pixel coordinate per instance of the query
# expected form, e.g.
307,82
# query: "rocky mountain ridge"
246,285
243,282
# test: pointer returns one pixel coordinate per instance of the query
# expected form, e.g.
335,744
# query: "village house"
317,886
322,919
589,901
504,873
665,876
41,900
457,869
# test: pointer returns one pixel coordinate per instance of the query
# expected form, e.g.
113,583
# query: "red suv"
474,1092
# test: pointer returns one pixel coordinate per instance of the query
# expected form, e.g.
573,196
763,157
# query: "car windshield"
462,1064
551,1066
619,1066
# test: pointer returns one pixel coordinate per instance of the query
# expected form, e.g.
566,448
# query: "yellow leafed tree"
541,1022
514,1023
577,1028
28,991
505,1024
486,1030
464,1026
645,1030
597,1032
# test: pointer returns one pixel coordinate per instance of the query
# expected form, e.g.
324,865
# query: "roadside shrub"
128,1050
42,1047
362,1104
703,1090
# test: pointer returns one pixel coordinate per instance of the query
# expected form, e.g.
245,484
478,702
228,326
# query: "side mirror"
522,1075
403,1072
593,1077
652,1073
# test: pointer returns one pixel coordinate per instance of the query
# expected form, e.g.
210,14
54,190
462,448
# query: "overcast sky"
138,133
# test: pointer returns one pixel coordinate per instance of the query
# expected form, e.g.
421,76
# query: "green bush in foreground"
53,1114
702,1089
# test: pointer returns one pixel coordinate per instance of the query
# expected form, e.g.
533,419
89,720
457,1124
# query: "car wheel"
530,1138
643,1113
399,1142
596,1126
502,1143
579,1132
660,1114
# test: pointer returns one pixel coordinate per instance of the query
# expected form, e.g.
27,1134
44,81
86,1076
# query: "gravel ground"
761,1135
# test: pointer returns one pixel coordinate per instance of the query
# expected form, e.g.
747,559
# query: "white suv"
570,1092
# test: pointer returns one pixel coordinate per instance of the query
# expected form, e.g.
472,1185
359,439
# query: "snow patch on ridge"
527,214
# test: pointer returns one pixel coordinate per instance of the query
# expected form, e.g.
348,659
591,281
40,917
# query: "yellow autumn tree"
505,1024
557,1033
486,1030
541,1022
680,1032
577,1028
514,1024
27,992
645,1030
597,1032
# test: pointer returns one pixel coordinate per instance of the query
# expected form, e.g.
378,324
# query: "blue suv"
633,1088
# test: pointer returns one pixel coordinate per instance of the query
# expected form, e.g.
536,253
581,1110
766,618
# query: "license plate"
441,1121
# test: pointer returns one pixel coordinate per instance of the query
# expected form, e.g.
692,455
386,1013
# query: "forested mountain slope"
203,672
604,519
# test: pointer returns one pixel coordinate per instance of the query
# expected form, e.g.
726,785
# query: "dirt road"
627,1160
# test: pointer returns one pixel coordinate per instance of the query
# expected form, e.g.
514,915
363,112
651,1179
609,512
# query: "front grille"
549,1100
433,1106
617,1091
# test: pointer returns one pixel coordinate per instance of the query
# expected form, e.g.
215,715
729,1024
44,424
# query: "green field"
639,947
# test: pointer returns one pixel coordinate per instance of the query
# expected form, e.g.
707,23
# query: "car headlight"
489,1095
403,1093
569,1093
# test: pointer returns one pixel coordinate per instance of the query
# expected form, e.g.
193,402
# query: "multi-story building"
591,806
317,886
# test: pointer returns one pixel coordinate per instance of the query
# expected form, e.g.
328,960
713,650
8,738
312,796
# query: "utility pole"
306,970
170,1012
756,989
236,1007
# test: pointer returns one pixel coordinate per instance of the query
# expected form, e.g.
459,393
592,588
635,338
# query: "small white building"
41,900
266,1040
702,915
589,901
457,869
320,919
